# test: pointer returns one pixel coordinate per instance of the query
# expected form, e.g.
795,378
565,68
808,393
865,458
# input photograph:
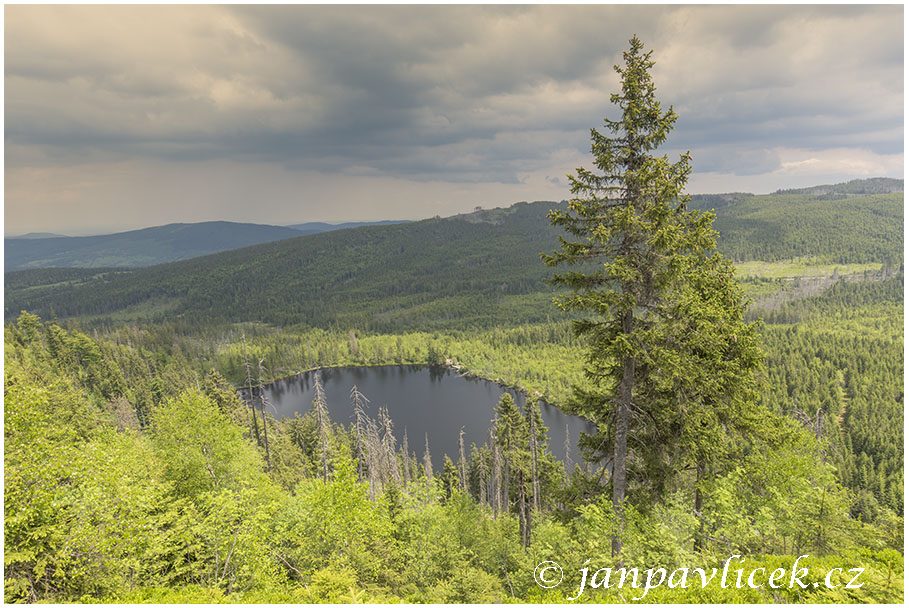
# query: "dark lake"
423,400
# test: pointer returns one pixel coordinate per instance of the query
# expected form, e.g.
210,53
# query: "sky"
122,117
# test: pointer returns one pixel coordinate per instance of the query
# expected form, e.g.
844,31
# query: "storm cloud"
125,116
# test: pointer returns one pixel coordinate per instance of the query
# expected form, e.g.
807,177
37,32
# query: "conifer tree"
633,257
449,480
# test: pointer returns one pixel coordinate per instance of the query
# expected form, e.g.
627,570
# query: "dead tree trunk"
427,463
483,474
253,423
264,402
388,447
359,404
323,423
462,461
374,456
496,478
405,460
567,451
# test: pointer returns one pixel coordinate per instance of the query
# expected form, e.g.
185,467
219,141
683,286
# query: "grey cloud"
727,159
452,93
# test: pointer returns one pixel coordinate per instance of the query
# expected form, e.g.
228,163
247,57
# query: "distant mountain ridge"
317,227
874,185
38,235
149,246
137,248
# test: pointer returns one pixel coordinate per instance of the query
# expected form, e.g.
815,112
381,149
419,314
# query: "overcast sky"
125,117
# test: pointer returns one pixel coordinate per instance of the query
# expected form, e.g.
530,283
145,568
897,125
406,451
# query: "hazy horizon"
102,232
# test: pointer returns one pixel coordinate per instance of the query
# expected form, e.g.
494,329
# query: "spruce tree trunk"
698,506
619,464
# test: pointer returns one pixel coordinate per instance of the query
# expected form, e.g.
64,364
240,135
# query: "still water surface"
424,401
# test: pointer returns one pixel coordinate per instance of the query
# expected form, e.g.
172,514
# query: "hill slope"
138,247
481,268
401,273
317,227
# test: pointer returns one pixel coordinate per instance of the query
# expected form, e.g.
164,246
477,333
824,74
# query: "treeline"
131,477
873,185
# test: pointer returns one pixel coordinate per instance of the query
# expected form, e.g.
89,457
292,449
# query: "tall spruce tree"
635,254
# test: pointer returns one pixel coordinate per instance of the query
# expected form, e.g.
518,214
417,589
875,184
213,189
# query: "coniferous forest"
740,356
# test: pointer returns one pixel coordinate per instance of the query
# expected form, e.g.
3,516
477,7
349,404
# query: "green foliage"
97,510
203,450
76,507
852,229
835,362
334,522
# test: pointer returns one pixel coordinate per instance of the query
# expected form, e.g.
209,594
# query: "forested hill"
874,185
135,248
149,246
470,269
317,227
834,228
400,274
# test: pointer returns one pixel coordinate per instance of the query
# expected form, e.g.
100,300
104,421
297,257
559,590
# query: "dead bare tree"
323,422
462,461
360,402
375,457
405,460
567,450
427,463
482,473
253,423
264,401
388,447
496,470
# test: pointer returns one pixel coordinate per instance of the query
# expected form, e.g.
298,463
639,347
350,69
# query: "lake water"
424,400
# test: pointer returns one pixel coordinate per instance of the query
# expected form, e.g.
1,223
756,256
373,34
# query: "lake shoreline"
449,364
421,399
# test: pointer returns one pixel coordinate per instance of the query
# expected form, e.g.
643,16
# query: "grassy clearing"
800,267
